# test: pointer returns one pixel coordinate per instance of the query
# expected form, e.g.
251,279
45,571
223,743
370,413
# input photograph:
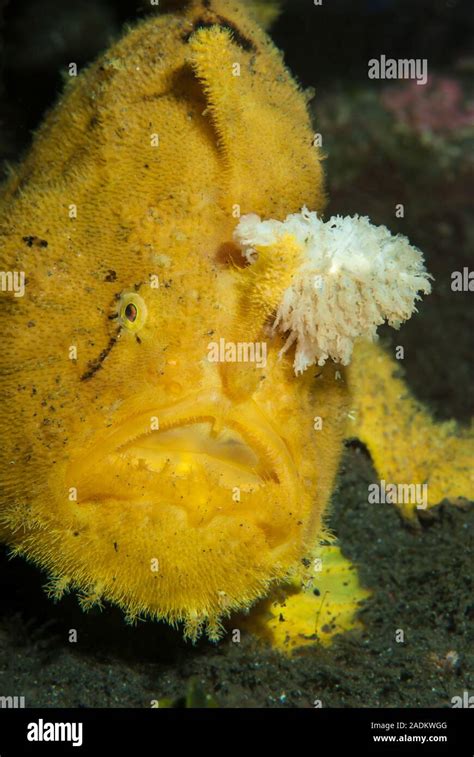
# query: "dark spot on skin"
281,618
139,341
30,324
76,533
94,365
36,241
93,122
223,23
111,276
146,165
306,562
115,546
316,592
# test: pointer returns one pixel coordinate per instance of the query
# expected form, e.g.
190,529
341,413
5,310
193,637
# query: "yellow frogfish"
190,342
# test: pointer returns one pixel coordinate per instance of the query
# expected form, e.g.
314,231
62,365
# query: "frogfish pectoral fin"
423,462
314,608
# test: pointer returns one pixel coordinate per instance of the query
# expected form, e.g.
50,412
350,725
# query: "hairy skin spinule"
171,199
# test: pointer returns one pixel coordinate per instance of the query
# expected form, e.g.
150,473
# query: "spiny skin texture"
133,179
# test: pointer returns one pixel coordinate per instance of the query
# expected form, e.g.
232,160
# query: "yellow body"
176,487
133,468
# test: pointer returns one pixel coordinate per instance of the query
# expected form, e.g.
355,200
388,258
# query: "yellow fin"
406,445
315,611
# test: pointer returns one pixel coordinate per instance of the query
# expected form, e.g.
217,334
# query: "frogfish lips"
236,445
204,496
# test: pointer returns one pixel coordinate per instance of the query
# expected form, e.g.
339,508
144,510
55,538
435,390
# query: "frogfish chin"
159,451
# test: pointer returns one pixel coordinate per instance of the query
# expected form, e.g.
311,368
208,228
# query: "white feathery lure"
353,277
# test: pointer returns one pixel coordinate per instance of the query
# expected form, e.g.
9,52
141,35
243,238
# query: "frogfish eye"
132,311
